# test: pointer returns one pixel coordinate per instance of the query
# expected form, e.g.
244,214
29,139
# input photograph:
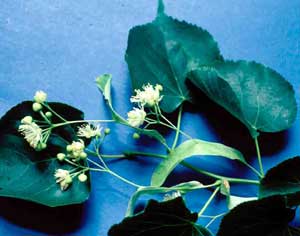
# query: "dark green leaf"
193,147
164,51
283,179
104,84
161,218
266,217
257,95
28,174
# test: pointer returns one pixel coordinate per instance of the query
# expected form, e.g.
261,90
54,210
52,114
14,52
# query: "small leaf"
28,174
283,179
161,218
193,147
164,51
233,201
251,92
265,217
104,84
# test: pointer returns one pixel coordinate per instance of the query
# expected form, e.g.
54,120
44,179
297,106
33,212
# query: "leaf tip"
161,7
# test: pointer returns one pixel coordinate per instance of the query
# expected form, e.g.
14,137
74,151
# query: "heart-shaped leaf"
257,95
104,84
193,147
283,179
164,51
161,218
28,174
265,217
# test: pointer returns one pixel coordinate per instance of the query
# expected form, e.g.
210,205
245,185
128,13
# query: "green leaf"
164,51
183,188
161,218
283,179
28,174
233,201
257,95
104,84
193,147
266,217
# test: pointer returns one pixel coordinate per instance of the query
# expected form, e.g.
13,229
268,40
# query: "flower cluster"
76,150
33,134
39,98
63,178
148,97
89,131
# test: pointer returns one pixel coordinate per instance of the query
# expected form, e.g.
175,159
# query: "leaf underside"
257,95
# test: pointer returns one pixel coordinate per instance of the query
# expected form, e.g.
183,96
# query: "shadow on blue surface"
60,220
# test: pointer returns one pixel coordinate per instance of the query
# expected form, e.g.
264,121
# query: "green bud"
61,156
36,106
68,179
48,114
27,120
82,177
107,131
44,145
69,148
136,136
83,155
40,146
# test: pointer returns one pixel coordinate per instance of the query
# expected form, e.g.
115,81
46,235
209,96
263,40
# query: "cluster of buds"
76,150
33,134
39,98
148,97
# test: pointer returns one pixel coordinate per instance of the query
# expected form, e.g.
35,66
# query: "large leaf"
104,84
28,174
283,179
257,95
266,217
164,51
193,147
165,218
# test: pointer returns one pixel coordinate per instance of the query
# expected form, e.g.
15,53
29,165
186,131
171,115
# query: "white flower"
32,133
89,131
40,96
171,196
27,120
149,96
136,117
63,178
76,150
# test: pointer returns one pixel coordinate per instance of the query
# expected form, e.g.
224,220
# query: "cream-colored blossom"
173,195
136,117
32,133
40,96
63,178
76,150
149,96
89,131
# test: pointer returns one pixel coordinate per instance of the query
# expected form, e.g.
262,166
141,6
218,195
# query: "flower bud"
61,156
36,107
48,114
69,148
82,177
68,179
40,96
107,131
27,120
83,155
136,136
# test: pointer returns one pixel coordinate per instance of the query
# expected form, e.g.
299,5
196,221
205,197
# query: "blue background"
61,46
